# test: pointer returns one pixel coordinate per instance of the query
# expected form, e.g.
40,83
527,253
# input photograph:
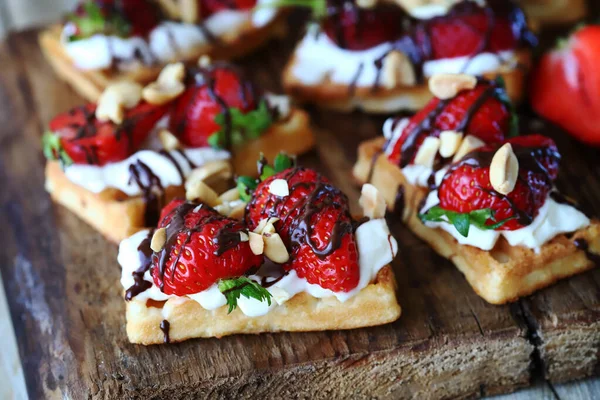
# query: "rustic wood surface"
61,279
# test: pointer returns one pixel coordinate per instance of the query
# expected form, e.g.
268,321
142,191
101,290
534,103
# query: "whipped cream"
166,42
116,175
553,219
318,58
376,248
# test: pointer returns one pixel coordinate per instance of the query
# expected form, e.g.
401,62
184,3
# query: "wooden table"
61,279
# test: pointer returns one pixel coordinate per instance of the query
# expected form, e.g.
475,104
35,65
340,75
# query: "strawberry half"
485,112
467,196
569,75
77,137
219,108
202,248
314,224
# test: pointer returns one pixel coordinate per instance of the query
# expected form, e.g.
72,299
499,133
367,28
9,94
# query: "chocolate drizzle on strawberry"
145,254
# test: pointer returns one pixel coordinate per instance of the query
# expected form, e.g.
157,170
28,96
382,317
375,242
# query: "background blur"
20,14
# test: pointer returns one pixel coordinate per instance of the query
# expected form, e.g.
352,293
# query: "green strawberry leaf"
502,96
53,150
93,21
317,7
463,221
283,162
244,126
242,286
246,185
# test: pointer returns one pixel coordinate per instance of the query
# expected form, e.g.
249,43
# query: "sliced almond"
158,240
279,187
198,190
244,236
230,195
275,249
449,143
397,70
257,243
213,173
366,3
447,86
189,10
223,209
279,294
167,87
504,170
204,61
427,152
238,212
372,202
270,226
116,98
168,140
468,144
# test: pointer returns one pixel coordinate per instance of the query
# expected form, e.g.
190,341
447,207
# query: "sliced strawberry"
484,112
202,248
569,75
78,137
315,225
220,109
467,196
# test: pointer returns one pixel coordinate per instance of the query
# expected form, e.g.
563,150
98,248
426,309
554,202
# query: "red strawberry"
569,75
78,137
355,28
194,114
210,7
315,225
202,248
466,188
490,120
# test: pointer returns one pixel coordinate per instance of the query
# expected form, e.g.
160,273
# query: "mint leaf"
94,21
244,126
283,162
242,286
53,150
463,221
246,186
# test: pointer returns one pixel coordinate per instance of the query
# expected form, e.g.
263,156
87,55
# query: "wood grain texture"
61,280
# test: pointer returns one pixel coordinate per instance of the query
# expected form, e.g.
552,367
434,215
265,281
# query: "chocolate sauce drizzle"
583,245
145,253
152,190
165,327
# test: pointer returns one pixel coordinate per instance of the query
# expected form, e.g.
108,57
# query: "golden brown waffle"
499,276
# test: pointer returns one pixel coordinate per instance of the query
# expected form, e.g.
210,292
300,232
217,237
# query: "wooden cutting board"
62,283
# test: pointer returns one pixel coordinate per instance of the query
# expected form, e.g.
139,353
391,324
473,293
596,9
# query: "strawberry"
202,248
469,29
219,108
467,196
315,225
77,137
490,120
123,18
568,75
210,7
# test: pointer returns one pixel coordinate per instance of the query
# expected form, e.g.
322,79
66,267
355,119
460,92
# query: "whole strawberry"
314,224
202,248
485,112
219,108
467,197
78,137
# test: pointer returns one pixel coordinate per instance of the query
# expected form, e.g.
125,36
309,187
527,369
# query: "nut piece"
266,225
468,144
170,7
223,209
238,212
427,152
372,202
212,173
116,98
447,86
198,190
366,3
189,10
449,143
158,240
168,86
279,187
168,140
230,195
504,170
257,244
204,61
397,70
244,236
275,249
279,295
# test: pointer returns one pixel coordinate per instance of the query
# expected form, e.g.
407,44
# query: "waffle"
118,216
328,94
499,276
376,304
91,83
